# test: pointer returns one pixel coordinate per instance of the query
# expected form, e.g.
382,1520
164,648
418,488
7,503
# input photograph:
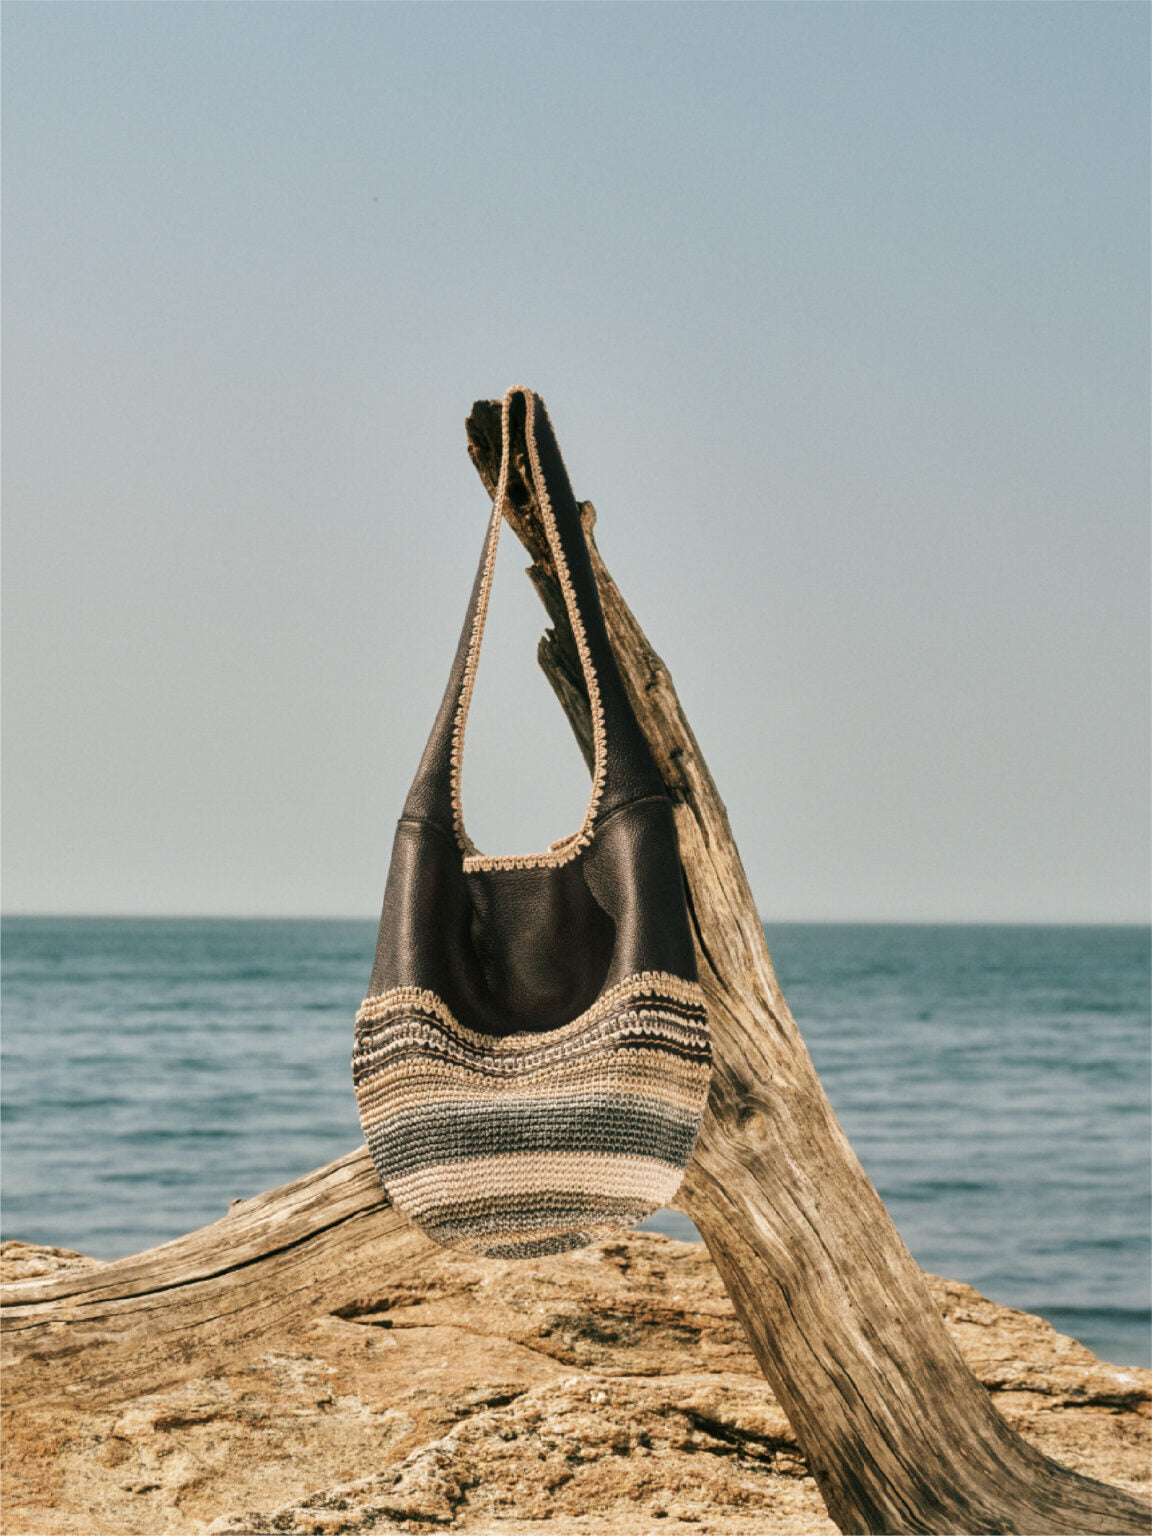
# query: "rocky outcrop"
605,1390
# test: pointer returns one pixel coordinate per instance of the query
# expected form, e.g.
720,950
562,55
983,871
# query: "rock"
32,1261
605,1390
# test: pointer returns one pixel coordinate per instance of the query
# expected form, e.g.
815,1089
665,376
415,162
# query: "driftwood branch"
314,1246
899,1434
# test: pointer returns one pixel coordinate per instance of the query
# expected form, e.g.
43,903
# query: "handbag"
532,1060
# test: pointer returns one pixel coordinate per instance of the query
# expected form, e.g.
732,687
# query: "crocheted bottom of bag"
527,1144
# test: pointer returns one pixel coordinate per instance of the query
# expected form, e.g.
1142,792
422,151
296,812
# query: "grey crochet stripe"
528,1144
574,1123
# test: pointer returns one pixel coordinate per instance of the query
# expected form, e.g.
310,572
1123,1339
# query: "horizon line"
805,922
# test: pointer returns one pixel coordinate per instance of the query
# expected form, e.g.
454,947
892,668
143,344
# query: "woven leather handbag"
532,1060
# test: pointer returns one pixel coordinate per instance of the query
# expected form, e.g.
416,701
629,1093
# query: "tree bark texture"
899,1434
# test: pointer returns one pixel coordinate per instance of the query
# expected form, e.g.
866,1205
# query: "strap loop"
547,495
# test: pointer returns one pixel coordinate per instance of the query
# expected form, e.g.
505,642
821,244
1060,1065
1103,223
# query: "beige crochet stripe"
389,1093
527,1173
565,848
632,990
672,1091
646,1073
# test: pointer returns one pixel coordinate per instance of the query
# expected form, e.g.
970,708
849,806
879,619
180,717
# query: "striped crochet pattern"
526,1144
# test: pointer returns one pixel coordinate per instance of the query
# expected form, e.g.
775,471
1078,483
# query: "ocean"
994,1081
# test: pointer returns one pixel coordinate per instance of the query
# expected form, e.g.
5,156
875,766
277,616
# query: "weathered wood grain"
310,1247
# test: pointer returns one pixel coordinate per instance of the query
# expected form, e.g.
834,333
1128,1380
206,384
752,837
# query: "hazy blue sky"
841,312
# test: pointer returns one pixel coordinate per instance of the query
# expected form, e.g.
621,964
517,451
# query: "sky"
841,315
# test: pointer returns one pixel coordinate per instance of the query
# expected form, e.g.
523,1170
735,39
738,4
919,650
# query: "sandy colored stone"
33,1261
605,1390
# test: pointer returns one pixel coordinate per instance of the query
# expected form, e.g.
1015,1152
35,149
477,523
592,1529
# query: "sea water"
994,1082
